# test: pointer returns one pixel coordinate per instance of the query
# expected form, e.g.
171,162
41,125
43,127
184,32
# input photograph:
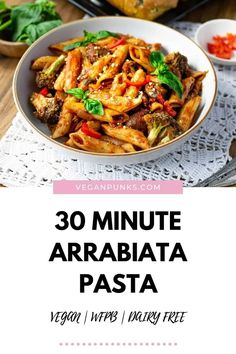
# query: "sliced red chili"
224,55
232,39
115,44
90,131
44,91
160,99
169,109
139,83
166,106
222,46
212,48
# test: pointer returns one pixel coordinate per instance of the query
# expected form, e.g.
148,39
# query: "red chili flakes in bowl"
223,46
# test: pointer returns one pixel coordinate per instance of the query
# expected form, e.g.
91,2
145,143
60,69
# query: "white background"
31,287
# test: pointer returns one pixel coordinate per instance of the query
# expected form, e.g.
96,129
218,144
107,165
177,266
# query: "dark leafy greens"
164,74
27,22
5,16
92,106
3,6
90,37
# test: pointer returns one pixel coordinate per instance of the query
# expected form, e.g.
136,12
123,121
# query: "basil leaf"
32,32
5,15
162,68
33,13
164,74
94,106
86,94
5,25
171,80
82,43
91,105
76,45
3,5
156,58
27,22
77,93
105,34
90,37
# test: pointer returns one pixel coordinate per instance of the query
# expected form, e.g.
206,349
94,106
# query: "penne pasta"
138,76
70,143
73,106
199,77
60,96
186,115
156,106
126,146
174,100
64,123
85,142
60,81
111,68
199,74
98,67
59,47
118,86
105,42
72,69
141,56
43,62
129,135
110,115
113,93
119,103
137,42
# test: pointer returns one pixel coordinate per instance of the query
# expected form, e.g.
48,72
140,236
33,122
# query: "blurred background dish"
12,49
146,9
166,11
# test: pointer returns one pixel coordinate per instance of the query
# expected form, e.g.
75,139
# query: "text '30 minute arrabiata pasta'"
113,93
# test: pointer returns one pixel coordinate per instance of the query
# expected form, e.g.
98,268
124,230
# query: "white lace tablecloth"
28,159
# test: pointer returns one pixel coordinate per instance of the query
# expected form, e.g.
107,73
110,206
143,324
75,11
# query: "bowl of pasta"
115,89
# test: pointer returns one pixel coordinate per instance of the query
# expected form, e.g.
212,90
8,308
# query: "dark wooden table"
215,9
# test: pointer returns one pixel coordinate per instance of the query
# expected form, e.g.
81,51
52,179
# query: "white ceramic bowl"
24,79
212,28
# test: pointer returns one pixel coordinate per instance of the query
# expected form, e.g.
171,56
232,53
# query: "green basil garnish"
78,93
92,106
90,37
104,34
164,74
156,58
172,81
